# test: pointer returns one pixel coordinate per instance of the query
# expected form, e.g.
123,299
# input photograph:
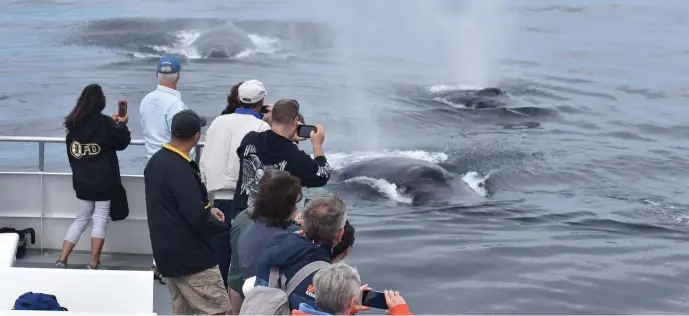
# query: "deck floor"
79,260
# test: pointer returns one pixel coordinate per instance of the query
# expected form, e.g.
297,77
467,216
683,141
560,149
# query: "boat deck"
79,259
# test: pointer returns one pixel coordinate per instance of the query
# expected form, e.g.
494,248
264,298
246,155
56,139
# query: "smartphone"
304,131
122,108
373,299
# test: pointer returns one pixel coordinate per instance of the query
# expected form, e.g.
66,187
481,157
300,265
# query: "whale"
420,180
486,98
224,41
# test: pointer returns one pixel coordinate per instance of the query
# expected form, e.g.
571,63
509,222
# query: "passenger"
338,289
232,100
274,211
219,162
323,222
93,140
181,223
233,103
275,149
235,278
156,111
341,249
159,106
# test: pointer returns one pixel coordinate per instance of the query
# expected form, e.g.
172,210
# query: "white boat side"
45,201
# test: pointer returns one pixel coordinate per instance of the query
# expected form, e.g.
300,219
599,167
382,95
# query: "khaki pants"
201,293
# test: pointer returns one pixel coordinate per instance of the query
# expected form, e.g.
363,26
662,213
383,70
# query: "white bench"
8,250
81,291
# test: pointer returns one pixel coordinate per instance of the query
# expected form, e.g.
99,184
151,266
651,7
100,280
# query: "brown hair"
91,101
232,100
285,111
277,199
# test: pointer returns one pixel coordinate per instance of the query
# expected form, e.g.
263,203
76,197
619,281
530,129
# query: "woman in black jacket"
93,140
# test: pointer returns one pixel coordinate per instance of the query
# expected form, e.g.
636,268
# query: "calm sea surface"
587,171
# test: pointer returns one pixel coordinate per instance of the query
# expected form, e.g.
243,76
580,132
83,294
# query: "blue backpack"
37,302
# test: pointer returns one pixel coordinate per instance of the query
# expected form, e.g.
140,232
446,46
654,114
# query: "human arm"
119,135
190,202
313,172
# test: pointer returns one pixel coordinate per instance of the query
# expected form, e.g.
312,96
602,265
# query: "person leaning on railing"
338,288
93,140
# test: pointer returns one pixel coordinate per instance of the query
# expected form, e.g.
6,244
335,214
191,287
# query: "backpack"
274,298
21,245
31,301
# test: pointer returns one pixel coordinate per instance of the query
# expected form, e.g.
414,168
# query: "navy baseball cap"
169,65
186,124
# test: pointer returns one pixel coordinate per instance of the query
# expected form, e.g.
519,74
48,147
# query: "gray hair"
335,286
323,217
168,78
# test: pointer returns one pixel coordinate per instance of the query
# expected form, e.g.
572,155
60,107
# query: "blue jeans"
221,242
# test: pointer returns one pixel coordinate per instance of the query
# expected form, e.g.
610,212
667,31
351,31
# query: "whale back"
487,98
396,170
224,41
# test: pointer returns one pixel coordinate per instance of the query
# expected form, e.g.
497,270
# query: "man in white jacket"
219,163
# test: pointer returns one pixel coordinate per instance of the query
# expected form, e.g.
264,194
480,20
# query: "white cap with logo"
251,91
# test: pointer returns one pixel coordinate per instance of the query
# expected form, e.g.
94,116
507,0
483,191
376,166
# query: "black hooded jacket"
92,151
267,150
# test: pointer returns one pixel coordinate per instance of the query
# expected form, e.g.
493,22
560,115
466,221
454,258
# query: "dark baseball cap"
186,124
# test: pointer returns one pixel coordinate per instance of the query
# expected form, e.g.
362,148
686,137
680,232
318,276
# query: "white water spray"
475,38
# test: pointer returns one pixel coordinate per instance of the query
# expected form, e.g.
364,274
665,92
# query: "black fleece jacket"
92,152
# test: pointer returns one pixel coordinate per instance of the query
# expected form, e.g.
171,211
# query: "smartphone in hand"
373,299
304,131
122,108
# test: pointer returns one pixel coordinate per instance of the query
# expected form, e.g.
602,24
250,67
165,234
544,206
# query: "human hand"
218,214
300,233
359,307
296,137
393,298
121,120
318,137
299,218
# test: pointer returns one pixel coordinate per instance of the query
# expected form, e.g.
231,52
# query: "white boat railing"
45,201
41,141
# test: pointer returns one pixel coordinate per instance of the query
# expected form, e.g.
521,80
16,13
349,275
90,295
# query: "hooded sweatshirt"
92,152
268,150
290,252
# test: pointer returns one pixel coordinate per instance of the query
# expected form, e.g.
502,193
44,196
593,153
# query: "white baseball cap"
251,91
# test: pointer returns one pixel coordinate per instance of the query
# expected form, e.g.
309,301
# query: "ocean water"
585,170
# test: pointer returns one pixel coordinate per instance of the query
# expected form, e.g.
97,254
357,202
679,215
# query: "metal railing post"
41,156
41,169
198,153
